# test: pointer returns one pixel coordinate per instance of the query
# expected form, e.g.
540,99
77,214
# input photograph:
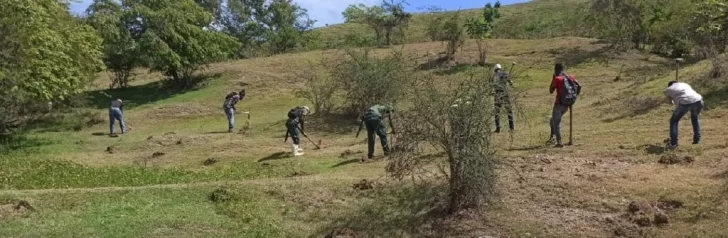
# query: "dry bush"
320,91
367,80
456,120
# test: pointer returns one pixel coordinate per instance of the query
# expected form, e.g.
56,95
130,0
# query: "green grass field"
77,188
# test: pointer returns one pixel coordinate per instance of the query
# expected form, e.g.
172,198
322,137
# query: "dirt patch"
110,149
157,154
668,204
220,195
365,185
674,159
209,161
15,208
298,174
348,153
342,233
646,214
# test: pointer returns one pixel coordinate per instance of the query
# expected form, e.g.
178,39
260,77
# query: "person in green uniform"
373,120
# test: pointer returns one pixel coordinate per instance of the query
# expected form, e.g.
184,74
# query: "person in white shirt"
685,100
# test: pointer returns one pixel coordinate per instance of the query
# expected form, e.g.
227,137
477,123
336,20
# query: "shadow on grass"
635,106
10,143
351,161
144,94
217,132
458,68
99,134
529,148
652,149
401,211
572,57
275,156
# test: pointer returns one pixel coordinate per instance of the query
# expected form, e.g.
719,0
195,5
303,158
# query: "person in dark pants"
116,113
501,82
229,107
372,119
686,100
560,108
296,116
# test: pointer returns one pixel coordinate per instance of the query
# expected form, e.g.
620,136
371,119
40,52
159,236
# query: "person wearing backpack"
686,100
501,83
567,89
229,107
295,117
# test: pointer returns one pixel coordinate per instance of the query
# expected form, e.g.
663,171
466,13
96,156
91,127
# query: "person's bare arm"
553,86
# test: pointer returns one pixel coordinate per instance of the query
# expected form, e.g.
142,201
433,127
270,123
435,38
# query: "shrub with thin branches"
456,120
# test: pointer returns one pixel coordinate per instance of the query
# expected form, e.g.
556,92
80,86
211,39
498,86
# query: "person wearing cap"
372,119
229,107
296,116
686,100
116,113
501,83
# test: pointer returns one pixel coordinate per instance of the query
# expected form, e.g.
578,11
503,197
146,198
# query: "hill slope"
82,183
532,20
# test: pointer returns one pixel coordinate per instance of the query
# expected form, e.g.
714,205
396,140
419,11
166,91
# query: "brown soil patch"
365,185
210,161
15,209
110,149
646,214
674,159
342,233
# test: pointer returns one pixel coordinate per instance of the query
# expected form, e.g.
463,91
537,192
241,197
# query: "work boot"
559,145
386,151
497,130
370,156
230,130
297,151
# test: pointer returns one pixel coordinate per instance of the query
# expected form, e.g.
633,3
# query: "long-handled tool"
511,70
309,139
677,68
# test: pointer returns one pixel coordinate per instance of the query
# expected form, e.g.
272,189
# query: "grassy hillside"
532,20
83,183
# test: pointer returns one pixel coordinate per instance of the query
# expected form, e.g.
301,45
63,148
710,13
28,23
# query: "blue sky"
329,11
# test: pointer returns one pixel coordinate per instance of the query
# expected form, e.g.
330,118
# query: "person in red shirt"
559,109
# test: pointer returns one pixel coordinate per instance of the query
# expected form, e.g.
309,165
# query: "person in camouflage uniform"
295,117
373,120
502,84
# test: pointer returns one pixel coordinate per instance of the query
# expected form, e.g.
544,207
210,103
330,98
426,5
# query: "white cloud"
329,11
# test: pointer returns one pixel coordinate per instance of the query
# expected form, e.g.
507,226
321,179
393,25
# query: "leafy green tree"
286,25
121,51
175,38
384,19
480,29
281,25
46,55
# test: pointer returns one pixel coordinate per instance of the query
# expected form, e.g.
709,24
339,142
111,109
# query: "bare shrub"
366,80
320,91
456,120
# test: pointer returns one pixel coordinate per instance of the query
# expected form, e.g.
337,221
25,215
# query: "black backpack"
570,91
